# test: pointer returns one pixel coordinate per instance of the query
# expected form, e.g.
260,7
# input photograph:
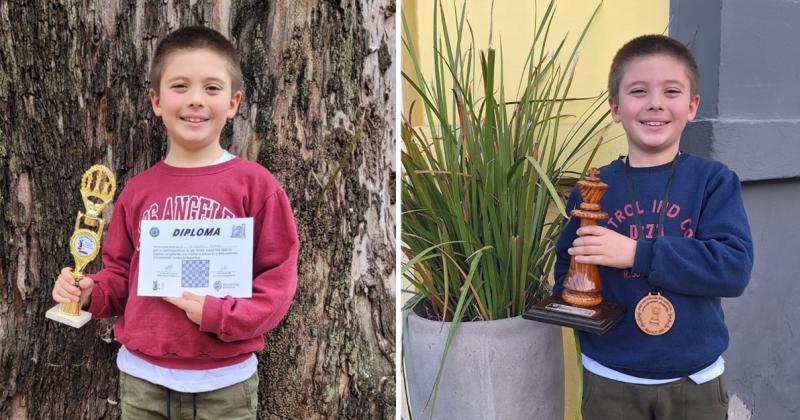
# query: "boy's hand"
600,246
190,303
67,290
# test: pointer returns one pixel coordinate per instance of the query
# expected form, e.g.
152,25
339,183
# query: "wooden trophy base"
595,319
75,321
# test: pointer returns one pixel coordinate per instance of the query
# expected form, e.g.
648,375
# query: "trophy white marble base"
74,321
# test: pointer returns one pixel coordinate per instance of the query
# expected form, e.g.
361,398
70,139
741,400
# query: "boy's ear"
614,110
233,106
693,106
154,102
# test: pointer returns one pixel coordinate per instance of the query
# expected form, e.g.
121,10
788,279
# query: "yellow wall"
617,21
514,22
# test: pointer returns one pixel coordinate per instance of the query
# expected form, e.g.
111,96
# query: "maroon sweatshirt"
231,328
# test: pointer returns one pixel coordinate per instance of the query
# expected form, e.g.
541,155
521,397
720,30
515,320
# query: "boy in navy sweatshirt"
677,240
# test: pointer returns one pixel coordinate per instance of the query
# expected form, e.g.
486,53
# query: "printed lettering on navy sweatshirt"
617,217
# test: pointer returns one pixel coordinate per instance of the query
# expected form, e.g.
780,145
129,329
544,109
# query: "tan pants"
606,399
145,400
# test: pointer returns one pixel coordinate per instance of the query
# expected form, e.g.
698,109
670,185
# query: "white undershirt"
183,380
224,157
703,376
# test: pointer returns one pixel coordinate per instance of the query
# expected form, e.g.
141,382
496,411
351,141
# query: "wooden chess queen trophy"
580,305
582,284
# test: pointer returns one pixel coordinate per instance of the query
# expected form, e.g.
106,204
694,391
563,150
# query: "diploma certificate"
206,257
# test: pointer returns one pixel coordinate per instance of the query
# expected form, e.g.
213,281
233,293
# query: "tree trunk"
318,111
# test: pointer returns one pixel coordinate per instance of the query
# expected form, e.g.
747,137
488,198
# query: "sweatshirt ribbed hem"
186,363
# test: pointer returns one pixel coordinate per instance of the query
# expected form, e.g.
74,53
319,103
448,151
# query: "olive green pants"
606,399
145,400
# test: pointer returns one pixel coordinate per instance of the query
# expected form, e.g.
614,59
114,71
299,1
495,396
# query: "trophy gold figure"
580,305
97,189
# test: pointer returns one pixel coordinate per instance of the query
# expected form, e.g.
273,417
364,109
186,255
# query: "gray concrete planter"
505,369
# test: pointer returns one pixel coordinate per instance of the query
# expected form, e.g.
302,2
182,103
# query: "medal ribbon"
632,198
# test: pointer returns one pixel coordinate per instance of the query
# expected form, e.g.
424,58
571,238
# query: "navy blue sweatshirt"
706,253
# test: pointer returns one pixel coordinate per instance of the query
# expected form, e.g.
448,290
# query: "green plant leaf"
544,179
481,178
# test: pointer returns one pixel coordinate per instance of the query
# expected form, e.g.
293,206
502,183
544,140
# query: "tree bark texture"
318,111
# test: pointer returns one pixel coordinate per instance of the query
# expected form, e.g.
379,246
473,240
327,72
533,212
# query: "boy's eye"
638,91
673,92
178,86
214,88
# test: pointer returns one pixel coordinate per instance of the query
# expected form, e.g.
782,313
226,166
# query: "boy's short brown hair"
193,38
651,45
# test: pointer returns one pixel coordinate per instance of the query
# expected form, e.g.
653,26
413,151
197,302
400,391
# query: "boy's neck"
185,158
640,159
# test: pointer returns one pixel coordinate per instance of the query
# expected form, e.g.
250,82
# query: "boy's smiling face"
655,103
195,99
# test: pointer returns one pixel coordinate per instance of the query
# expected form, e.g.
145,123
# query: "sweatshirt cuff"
643,258
211,321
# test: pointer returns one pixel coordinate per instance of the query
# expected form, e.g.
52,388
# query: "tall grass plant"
484,182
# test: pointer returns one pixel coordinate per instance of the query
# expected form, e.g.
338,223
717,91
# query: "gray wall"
749,118
748,55
762,364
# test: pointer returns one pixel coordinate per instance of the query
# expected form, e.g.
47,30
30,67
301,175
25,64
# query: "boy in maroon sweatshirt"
193,354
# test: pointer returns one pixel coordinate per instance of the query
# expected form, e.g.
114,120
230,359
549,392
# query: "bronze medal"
654,314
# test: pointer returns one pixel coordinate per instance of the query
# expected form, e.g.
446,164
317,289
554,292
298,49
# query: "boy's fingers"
590,230
179,302
68,286
585,250
594,259
65,277
66,272
86,282
61,295
193,297
61,299
588,259
64,289
585,240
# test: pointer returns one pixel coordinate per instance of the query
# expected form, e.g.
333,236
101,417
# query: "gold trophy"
97,189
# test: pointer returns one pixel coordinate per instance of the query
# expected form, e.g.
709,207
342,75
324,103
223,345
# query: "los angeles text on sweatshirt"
231,328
